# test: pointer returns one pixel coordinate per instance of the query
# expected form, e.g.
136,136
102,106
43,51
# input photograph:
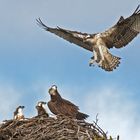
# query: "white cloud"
117,112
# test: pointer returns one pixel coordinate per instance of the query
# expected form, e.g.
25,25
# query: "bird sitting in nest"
60,106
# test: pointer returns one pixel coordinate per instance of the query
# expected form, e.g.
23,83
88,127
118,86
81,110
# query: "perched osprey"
58,105
41,110
118,36
18,114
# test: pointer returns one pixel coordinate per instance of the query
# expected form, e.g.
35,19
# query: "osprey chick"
18,114
41,110
58,105
118,36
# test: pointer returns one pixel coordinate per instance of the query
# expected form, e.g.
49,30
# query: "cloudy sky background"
31,60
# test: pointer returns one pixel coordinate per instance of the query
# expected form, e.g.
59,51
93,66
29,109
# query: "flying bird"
41,110
18,114
118,36
58,105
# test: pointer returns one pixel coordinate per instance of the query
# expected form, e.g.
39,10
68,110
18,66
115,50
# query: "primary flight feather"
118,36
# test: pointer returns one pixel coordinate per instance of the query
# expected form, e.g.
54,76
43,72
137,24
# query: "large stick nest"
43,128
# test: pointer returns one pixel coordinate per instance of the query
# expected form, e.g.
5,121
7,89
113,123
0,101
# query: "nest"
49,128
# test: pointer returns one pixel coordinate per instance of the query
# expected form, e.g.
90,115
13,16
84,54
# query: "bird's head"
53,90
20,109
54,93
41,104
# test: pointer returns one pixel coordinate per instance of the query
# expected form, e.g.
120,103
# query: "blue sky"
31,60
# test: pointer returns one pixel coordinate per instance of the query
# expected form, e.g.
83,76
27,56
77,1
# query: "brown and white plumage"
41,110
58,105
118,36
18,114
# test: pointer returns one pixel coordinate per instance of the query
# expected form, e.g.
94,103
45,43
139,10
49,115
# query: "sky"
31,60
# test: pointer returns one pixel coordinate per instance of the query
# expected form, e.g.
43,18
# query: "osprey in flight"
59,105
118,36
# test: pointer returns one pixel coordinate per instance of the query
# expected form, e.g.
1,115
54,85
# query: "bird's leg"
93,59
102,55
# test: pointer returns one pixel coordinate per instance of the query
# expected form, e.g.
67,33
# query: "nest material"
43,128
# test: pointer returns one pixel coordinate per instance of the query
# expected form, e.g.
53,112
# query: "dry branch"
43,128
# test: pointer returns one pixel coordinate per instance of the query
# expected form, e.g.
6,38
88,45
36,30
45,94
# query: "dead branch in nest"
48,128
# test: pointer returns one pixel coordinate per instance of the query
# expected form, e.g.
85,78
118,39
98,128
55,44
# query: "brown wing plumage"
68,103
53,107
63,107
72,110
124,31
66,108
71,36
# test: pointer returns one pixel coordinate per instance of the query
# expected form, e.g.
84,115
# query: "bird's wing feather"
124,31
70,104
63,107
68,108
53,108
71,36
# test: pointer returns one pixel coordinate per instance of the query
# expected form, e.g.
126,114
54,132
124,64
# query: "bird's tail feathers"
111,62
81,116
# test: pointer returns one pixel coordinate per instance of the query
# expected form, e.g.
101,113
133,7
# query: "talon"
91,64
92,61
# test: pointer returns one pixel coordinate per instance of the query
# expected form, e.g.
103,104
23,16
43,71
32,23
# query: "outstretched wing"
124,31
71,36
